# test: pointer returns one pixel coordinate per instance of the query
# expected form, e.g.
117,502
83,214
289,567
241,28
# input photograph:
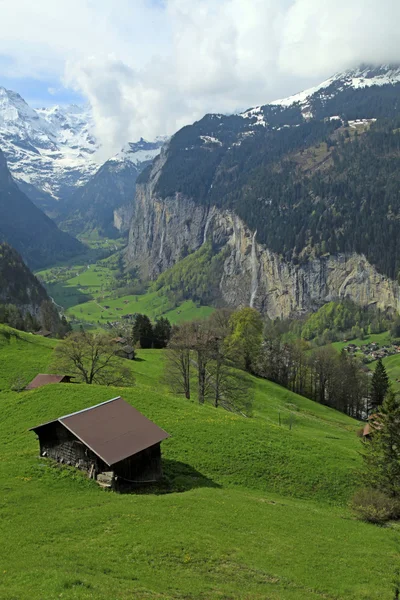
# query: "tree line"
207,359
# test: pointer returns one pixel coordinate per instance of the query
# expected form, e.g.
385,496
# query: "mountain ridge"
281,187
27,229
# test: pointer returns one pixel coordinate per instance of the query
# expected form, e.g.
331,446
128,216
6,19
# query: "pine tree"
161,332
379,385
142,331
382,452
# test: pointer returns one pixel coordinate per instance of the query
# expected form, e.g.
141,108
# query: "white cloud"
148,67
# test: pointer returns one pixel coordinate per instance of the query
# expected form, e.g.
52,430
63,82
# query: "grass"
85,290
23,355
255,510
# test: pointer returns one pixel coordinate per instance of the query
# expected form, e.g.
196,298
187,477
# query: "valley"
93,294
238,283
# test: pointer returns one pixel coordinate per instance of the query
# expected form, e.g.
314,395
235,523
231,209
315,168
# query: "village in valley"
372,351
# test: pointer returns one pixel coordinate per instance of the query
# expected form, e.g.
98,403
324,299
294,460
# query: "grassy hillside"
89,294
254,510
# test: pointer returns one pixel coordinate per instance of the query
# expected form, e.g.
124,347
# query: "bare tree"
91,358
178,363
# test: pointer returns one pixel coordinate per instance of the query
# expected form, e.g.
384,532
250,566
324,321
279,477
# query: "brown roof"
113,430
372,425
43,332
44,379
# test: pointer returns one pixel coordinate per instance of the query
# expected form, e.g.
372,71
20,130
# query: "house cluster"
123,348
372,351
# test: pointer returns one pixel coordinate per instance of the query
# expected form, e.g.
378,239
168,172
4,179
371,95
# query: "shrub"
374,506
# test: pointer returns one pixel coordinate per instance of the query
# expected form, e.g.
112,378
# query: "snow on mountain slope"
139,152
362,77
53,151
50,148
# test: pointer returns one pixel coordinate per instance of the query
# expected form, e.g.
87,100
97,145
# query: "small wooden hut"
44,379
112,441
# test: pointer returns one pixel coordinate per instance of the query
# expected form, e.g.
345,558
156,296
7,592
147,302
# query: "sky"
149,67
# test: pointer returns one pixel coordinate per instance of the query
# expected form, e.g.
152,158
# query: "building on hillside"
372,425
43,333
123,349
44,379
126,352
112,441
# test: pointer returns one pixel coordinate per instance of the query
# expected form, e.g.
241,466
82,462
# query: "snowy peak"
139,152
316,101
54,150
361,77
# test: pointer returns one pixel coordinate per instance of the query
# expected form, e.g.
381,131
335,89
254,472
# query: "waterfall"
208,221
164,224
254,271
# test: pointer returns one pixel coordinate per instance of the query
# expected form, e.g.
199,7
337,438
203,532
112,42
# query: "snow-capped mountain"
360,78
52,149
105,202
139,152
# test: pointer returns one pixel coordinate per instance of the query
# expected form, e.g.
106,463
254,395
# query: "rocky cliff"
165,229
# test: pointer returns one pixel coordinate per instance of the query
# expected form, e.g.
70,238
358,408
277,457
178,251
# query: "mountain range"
53,155
297,200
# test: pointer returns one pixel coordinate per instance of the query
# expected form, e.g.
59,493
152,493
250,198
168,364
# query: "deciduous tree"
91,358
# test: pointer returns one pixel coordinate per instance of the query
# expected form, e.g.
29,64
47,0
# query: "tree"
161,332
91,358
227,386
379,385
142,331
245,340
178,363
382,452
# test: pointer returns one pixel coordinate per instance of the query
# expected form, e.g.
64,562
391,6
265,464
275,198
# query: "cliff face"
164,230
18,285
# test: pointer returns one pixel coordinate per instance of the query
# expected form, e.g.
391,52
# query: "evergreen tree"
142,331
379,385
161,332
382,453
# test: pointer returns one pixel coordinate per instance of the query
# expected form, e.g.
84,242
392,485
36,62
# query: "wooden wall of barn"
58,443
145,466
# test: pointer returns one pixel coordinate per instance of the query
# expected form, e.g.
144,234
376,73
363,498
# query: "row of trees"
215,349
203,360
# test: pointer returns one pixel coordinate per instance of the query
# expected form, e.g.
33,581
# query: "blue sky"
36,92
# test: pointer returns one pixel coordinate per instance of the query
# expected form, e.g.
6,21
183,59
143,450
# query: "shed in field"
44,379
112,441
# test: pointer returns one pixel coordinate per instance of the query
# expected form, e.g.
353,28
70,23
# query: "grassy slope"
95,282
227,535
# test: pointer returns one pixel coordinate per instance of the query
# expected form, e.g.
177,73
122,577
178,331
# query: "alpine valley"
283,207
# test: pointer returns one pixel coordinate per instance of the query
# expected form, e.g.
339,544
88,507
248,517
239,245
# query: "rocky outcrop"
164,230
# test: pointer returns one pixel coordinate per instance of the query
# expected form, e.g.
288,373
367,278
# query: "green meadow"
88,294
250,508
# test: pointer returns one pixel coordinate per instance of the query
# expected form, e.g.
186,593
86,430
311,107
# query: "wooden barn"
112,441
44,379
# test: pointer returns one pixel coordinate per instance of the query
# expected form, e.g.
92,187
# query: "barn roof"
113,430
44,379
